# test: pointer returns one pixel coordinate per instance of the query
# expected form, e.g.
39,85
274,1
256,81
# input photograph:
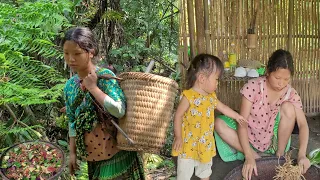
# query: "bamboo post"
214,27
184,64
190,9
206,26
200,33
290,19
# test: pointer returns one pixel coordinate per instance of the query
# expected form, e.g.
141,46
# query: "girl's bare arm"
243,130
182,108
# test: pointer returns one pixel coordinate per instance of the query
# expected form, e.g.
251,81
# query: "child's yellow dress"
197,127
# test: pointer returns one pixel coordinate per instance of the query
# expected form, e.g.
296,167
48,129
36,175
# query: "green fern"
31,27
27,72
29,81
18,130
19,95
27,34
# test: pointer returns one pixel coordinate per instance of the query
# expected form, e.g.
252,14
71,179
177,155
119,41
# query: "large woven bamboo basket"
150,102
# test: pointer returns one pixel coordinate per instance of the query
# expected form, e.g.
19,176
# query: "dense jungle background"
131,33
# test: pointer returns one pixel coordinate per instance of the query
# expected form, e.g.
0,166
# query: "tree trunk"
97,17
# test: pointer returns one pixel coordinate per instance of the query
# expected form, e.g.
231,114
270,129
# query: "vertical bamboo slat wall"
228,21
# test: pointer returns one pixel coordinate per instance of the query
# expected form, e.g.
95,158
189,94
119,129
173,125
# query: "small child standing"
194,142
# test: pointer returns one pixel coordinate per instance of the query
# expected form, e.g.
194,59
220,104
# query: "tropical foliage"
151,31
28,36
32,70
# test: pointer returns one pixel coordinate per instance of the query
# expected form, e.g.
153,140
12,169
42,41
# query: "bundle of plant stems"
288,171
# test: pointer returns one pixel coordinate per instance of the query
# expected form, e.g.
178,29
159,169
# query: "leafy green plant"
17,131
314,157
150,31
62,121
27,34
82,173
167,148
152,161
28,80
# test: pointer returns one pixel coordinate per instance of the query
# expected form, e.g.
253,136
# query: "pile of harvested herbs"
289,171
32,161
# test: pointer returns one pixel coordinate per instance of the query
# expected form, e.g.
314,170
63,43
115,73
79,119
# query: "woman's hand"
241,120
177,143
90,81
249,166
304,163
73,166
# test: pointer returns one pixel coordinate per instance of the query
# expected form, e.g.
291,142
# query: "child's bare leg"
230,136
286,125
205,178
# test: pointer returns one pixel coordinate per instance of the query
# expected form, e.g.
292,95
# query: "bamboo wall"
212,25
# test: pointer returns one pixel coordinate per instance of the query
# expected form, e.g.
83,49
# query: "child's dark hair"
280,59
83,37
203,62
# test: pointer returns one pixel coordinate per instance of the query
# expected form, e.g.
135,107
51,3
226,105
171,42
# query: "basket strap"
108,77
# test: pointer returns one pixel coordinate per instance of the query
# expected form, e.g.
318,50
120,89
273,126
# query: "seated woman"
272,107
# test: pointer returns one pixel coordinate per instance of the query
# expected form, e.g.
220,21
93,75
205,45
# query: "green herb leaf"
315,159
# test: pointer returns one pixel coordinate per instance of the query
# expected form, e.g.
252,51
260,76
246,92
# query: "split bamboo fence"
211,26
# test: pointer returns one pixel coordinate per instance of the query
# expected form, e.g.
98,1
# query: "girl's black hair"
203,62
83,37
280,59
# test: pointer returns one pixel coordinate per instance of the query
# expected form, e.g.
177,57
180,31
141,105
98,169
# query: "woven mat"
266,170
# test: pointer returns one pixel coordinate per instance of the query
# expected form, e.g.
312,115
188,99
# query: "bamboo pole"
218,24
284,18
206,26
261,34
247,10
290,22
191,25
200,32
256,20
223,28
296,40
312,64
185,61
317,46
279,20
305,57
213,28
240,30
269,27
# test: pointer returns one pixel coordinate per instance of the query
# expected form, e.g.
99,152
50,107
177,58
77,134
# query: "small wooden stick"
108,76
